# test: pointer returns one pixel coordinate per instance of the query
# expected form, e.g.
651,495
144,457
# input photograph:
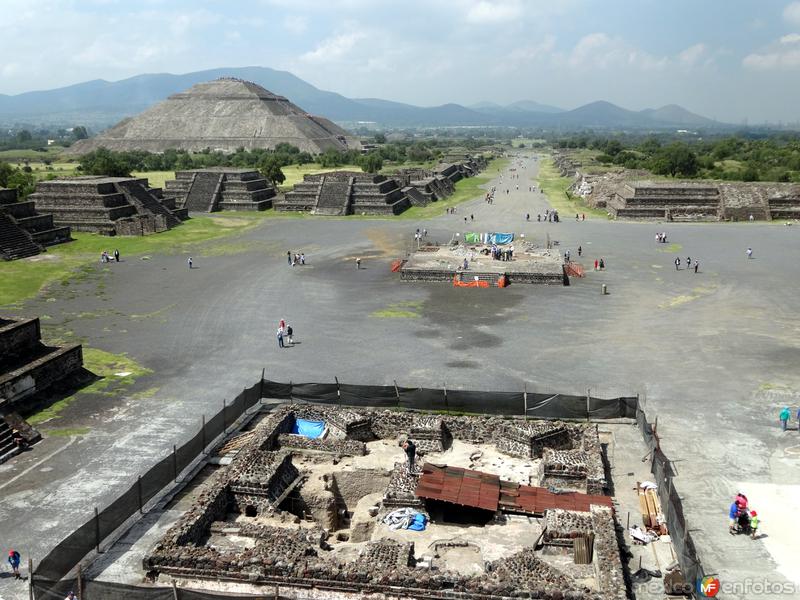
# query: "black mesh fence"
47,579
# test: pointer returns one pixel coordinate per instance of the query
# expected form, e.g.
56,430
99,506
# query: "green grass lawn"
556,186
294,173
52,152
23,279
156,179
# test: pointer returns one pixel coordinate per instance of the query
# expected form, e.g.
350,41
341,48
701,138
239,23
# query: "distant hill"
100,104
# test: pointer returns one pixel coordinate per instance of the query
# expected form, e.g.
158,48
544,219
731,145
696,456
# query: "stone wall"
344,447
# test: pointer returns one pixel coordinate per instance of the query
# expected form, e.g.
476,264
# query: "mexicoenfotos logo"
708,586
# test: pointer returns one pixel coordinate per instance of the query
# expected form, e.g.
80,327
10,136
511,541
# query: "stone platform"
444,263
24,231
220,188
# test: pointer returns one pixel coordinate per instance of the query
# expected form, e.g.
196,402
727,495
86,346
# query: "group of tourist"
661,238
742,519
504,254
285,332
105,257
688,263
580,217
549,216
784,417
451,210
295,259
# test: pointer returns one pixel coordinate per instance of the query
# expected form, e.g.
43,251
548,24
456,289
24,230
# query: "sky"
733,60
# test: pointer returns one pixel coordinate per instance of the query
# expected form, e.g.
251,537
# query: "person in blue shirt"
13,560
733,515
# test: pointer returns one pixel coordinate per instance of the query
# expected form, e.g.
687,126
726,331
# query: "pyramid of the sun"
223,115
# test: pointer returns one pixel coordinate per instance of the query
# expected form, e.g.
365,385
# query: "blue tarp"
310,429
418,523
501,238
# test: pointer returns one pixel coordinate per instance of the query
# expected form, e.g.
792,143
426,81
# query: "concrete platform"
530,264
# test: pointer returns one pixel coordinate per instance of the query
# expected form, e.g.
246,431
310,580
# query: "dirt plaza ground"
714,354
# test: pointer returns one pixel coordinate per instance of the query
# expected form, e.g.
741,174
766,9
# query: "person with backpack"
784,417
289,332
14,560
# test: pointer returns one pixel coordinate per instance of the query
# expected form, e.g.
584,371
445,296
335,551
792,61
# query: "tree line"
737,158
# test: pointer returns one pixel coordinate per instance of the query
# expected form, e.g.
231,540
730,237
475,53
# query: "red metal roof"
489,492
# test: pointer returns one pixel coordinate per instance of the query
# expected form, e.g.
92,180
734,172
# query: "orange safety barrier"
469,284
503,281
396,264
575,270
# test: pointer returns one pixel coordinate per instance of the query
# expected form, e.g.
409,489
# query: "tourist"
753,524
749,253
539,217
71,596
472,217
280,337
595,264
733,516
424,233
583,216
677,264
577,217
116,255
580,250
289,257
466,264
18,439
658,237
511,252
696,265
751,218
798,420
465,220
527,216
302,258
189,262
688,262
784,417
358,263
289,332
13,560
566,255
602,264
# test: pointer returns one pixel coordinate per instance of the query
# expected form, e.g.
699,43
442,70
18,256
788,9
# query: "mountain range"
99,104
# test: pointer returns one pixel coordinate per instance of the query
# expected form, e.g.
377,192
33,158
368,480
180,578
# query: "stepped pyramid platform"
671,201
23,231
27,366
107,205
222,115
785,207
220,188
344,193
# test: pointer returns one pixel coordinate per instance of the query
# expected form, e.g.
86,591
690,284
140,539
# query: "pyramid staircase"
203,195
334,197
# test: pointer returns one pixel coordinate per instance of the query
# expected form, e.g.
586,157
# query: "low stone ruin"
296,550
528,439
220,188
107,205
24,231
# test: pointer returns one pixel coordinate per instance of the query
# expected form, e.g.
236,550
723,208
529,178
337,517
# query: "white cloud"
692,55
334,48
487,11
600,51
782,55
791,13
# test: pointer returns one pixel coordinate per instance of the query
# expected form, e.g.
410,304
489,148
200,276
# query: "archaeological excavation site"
313,501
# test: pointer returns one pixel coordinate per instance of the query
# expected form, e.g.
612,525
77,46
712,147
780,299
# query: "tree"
79,132
5,172
270,167
675,159
371,163
380,138
24,136
105,162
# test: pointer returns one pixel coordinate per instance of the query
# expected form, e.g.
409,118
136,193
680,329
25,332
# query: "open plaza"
274,509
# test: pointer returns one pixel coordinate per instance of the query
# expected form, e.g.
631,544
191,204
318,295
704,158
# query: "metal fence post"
261,387
444,387
80,580
224,415
203,429
175,463
396,392
30,578
338,391
588,403
96,530
139,493
525,398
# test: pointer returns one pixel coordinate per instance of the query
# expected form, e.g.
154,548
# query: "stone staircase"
15,242
334,197
787,207
204,193
138,195
7,446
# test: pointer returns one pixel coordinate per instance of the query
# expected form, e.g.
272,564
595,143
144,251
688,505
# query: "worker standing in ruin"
410,449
